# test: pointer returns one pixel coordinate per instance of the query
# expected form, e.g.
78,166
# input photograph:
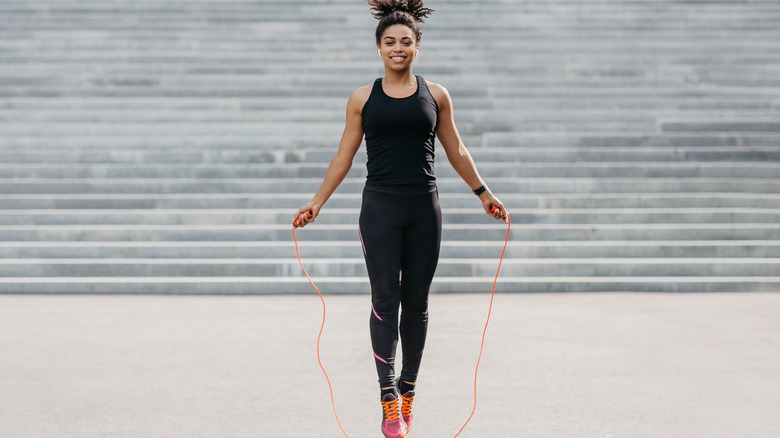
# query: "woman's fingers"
304,218
497,210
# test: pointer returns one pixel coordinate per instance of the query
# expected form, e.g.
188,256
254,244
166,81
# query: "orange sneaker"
406,408
393,426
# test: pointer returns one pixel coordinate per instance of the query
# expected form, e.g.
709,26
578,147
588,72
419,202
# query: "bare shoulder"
439,93
359,97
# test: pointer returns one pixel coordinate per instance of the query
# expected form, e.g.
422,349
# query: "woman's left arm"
458,155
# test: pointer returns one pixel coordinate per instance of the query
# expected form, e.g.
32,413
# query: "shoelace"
390,409
406,406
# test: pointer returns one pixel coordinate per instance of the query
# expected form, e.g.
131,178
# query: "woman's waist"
401,188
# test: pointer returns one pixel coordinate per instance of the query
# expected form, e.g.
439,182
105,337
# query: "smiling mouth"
398,58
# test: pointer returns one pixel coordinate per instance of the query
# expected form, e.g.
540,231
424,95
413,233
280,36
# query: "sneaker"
393,425
406,408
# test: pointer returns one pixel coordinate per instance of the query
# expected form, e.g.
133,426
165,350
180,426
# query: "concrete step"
297,170
355,185
570,124
132,115
349,232
141,106
720,126
110,154
330,286
458,199
706,139
668,41
469,120
219,77
150,156
608,92
352,249
588,90
602,154
335,9
335,216
355,267
270,148
148,109
191,128
559,123
560,36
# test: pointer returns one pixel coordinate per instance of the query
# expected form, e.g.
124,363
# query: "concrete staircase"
163,146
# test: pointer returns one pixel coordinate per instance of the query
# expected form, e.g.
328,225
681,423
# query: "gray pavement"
555,365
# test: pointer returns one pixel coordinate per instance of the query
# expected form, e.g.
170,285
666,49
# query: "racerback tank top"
400,134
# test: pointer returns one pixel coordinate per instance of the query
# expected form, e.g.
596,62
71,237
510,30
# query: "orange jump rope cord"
487,321
481,346
322,326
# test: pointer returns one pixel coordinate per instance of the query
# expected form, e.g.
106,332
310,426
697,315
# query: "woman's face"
398,47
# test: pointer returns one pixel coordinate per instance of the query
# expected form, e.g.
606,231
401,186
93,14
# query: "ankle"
388,390
405,386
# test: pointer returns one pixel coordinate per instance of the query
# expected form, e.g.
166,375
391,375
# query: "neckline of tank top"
416,91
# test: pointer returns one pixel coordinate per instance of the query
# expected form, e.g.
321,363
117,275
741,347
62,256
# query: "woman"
399,115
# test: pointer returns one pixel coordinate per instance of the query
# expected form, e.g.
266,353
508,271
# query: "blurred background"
160,147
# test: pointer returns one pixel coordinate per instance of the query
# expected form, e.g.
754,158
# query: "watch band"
480,190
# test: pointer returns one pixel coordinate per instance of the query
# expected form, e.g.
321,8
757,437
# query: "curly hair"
407,12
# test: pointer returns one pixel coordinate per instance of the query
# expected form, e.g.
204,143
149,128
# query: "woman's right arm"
341,163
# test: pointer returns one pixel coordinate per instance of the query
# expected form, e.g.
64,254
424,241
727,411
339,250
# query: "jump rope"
324,311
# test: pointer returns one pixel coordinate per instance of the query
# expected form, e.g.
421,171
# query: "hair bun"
415,8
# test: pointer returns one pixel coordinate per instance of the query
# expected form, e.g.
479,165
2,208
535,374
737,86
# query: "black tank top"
400,135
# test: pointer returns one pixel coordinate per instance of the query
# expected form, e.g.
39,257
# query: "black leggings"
400,229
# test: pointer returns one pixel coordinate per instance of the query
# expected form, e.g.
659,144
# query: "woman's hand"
306,215
490,202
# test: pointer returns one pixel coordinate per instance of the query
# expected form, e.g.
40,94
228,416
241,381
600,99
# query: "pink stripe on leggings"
360,233
380,359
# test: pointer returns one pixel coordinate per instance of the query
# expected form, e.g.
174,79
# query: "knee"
384,304
415,306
